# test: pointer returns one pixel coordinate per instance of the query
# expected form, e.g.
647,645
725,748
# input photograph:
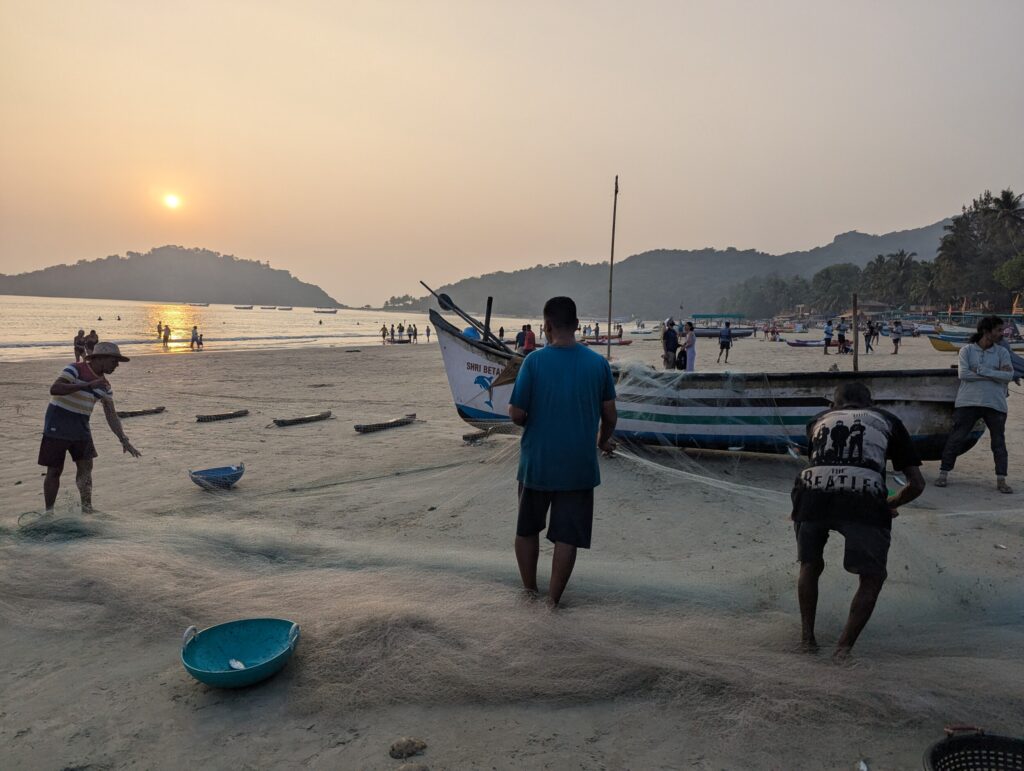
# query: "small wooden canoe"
368,428
304,419
136,413
221,416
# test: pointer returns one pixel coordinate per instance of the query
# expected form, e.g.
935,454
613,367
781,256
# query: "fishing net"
398,564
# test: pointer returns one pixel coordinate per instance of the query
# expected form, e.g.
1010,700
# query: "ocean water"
43,327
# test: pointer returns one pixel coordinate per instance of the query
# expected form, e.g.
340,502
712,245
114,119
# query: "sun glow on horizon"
172,201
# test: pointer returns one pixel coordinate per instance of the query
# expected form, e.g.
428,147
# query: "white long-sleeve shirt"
984,373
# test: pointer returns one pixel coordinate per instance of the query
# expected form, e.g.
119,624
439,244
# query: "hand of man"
127,447
608,447
893,512
97,383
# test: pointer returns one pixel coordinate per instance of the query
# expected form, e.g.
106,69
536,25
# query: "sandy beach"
675,648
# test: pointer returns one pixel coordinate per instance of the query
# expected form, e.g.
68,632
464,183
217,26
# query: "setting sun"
171,201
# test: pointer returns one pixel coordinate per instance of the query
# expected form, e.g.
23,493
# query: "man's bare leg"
83,478
860,611
807,593
527,553
561,568
51,486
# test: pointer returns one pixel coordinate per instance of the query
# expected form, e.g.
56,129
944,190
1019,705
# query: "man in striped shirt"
66,427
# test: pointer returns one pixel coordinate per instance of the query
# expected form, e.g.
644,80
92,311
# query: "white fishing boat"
766,412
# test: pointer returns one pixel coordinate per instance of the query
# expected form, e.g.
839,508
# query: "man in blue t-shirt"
563,391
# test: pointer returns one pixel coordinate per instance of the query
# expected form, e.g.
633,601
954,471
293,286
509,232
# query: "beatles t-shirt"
846,480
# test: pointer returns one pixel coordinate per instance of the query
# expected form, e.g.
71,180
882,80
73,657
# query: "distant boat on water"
284,307
325,310
268,307
200,305
243,307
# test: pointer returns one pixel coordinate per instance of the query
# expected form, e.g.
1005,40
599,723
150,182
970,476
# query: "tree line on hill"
979,262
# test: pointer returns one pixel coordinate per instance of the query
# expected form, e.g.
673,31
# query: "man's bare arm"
518,415
115,425
609,417
915,486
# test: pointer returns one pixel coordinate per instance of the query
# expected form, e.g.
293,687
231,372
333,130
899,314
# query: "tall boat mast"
611,265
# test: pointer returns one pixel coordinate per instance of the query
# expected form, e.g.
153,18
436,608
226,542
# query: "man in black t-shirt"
844,490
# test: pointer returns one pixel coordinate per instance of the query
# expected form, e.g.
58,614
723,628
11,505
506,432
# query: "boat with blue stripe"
739,412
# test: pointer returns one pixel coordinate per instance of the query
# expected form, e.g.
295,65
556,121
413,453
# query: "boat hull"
737,332
721,411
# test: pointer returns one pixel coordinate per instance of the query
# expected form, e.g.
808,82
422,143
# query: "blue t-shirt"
561,390
725,335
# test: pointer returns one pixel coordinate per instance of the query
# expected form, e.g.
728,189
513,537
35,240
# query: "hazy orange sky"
366,145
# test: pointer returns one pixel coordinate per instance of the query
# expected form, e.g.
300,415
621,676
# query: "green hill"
171,274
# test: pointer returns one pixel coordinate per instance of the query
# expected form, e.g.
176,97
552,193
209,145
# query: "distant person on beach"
415,334
896,335
828,335
195,338
520,339
841,334
868,334
91,340
200,342
427,330
159,329
79,345
383,334
401,330
392,333
690,344
561,396
66,426
529,340
725,341
167,335
845,491
501,333
669,344
985,368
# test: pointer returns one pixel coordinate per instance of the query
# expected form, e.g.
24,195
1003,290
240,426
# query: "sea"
44,327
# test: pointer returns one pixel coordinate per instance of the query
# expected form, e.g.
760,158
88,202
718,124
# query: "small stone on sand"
406,747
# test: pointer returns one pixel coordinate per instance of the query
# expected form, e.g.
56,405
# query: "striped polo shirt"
67,417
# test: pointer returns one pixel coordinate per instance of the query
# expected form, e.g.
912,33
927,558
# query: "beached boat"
284,307
243,307
220,478
268,307
605,341
746,412
200,305
951,345
369,428
325,310
137,413
713,331
811,343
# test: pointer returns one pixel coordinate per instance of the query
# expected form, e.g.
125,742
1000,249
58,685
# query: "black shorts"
867,546
724,346
572,514
52,451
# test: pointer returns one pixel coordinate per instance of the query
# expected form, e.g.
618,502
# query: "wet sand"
675,648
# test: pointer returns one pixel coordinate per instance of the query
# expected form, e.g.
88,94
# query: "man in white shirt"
984,369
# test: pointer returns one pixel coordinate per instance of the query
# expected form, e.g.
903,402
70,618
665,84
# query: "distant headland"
171,274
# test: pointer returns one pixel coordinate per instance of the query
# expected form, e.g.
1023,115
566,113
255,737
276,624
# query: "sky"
367,145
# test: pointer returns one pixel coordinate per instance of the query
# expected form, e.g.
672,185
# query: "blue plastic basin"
262,645
220,478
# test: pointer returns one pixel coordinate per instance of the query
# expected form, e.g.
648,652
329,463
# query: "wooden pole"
611,265
856,336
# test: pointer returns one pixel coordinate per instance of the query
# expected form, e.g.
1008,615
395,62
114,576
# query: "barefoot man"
561,394
844,490
66,427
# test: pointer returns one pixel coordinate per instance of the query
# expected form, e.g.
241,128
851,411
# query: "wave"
206,339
